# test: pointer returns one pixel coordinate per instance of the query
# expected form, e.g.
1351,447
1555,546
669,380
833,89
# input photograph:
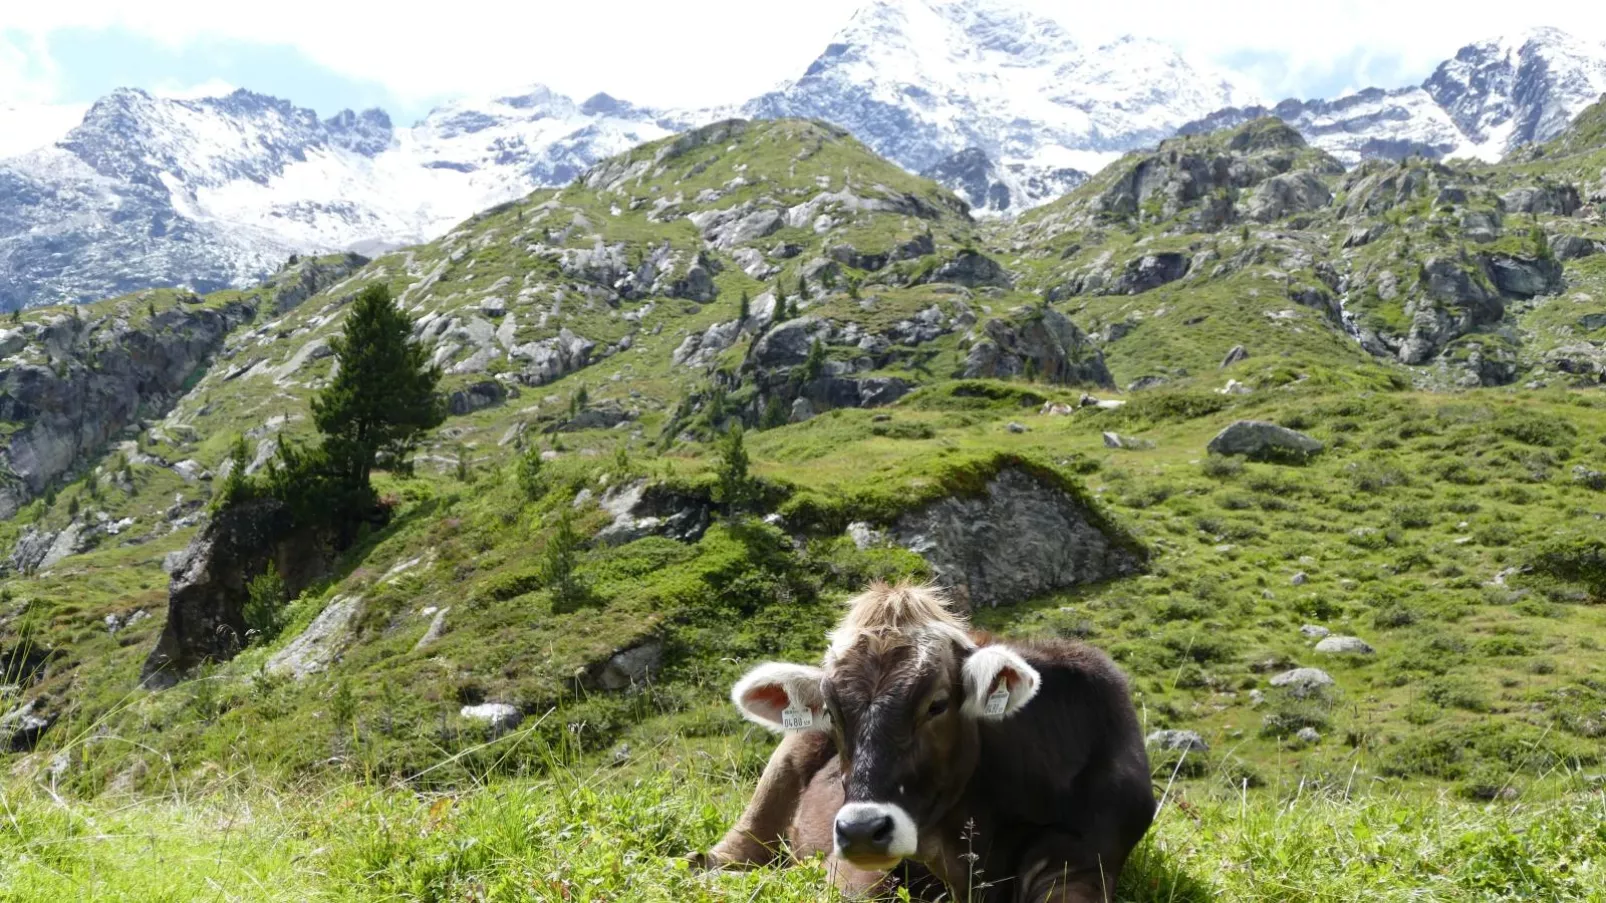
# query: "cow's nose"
863,831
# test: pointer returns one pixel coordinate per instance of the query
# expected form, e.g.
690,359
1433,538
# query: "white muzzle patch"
905,840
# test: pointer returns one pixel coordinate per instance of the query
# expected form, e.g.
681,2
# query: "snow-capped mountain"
1494,96
216,192
1000,104
921,80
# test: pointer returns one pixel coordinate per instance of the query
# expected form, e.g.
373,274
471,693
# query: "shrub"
532,483
558,563
1537,429
266,595
1221,467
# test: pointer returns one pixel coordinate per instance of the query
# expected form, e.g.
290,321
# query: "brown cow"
1007,771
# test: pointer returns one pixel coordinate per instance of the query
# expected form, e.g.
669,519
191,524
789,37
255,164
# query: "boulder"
551,359
498,716
1521,277
1261,441
971,269
1149,272
865,536
1238,353
1280,196
207,593
787,344
22,727
1314,631
1018,538
696,285
477,397
1449,281
602,417
1308,736
845,392
632,667
1344,645
1572,247
317,647
1555,200
1177,741
1589,479
1303,682
1042,340
1480,225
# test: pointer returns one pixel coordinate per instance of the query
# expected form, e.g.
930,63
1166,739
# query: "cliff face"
70,384
71,381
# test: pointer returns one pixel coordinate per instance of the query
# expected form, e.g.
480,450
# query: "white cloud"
710,51
214,87
27,72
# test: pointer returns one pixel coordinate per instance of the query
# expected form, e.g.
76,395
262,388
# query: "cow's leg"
757,836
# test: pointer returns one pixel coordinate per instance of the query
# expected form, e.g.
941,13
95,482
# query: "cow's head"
902,690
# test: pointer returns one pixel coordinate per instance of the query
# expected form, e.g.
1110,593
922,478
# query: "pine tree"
743,313
531,482
774,414
558,564
266,595
383,398
780,302
814,364
735,488
802,287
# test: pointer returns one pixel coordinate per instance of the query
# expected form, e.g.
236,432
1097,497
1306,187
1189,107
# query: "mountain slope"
924,406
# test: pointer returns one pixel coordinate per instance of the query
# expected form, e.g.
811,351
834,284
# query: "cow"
952,760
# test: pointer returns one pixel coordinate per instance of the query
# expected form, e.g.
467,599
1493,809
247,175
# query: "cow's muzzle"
874,835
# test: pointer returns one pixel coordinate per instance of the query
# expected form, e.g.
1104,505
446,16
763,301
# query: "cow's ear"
782,697
998,683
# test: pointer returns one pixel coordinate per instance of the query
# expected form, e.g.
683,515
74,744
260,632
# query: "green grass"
596,833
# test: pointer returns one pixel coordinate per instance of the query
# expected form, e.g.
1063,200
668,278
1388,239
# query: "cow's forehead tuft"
919,616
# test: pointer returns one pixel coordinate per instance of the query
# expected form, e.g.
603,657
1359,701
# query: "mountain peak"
1519,89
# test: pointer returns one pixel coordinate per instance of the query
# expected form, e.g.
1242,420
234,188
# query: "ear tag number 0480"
998,701
795,718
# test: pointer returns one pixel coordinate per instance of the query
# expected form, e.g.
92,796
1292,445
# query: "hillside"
1020,410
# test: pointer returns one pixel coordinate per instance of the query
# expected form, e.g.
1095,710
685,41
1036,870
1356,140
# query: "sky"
333,54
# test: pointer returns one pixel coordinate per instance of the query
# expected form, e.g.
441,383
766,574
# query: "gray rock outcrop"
207,594
1345,645
1041,340
80,382
1177,741
1021,538
1302,682
1262,441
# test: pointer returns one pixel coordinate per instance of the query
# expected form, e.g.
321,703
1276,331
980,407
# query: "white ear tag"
998,701
797,719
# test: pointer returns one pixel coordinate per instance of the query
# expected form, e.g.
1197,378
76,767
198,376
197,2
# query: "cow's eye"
937,707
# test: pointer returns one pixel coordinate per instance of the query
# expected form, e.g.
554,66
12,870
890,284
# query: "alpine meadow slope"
1385,632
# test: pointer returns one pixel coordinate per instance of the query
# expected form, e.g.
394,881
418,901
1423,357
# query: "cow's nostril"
881,834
